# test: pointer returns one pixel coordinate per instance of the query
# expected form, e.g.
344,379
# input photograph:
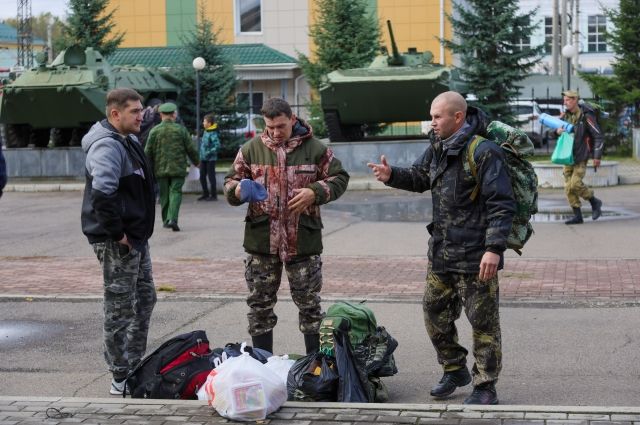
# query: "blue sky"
9,8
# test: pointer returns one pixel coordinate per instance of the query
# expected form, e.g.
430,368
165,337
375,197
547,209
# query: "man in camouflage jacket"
588,141
168,147
299,174
468,238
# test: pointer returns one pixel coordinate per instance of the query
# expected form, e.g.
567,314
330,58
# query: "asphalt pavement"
569,309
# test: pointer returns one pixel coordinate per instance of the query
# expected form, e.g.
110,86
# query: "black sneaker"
203,198
483,394
450,381
212,198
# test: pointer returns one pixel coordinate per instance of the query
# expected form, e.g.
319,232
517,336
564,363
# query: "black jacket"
119,195
588,140
462,230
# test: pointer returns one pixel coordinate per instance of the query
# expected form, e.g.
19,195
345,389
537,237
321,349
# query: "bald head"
453,102
448,113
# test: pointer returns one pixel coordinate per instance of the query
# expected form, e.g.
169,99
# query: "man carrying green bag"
588,142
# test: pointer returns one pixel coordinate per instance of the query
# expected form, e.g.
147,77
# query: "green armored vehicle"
60,101
393,88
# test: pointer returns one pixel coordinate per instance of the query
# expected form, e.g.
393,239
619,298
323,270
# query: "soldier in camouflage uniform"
588,141
118,211
168,147
298,174
468,238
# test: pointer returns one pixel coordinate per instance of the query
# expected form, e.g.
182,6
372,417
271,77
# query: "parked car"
527,113
235,129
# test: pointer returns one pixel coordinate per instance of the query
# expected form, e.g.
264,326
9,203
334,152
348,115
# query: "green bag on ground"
357,320
563,152
516,146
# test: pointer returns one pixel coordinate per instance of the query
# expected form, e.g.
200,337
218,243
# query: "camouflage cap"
167,108
571,93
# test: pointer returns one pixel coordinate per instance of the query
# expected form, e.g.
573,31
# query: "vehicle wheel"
17,135
76,136
334,128
536,139
61,137
40,137
353,132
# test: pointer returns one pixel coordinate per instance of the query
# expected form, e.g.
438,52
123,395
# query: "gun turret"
396,58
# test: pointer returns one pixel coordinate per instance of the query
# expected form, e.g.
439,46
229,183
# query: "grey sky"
9,8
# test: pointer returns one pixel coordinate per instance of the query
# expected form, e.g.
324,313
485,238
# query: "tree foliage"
345,35
39,25
624,87
487,38
217,79
88,25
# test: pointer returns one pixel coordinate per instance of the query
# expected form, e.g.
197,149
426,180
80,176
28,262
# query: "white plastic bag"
280,365
244,389
193,173
206,392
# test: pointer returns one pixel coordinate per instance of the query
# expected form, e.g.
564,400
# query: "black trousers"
208,170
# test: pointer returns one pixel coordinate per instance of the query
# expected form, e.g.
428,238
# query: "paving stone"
545,415
397,419
610,423
616,417
590,416
420,414
315,416
350,417
289,422
438,421
569,422
462,415
522,422
502,415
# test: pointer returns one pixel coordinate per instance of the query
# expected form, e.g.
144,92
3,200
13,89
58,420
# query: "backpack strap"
471,150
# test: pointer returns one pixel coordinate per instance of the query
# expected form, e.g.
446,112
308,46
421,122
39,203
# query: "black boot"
450,381
312,343
483,394
264,341
577,217
596,208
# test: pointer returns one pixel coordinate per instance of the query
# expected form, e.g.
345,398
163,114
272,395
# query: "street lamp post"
198,64
568,52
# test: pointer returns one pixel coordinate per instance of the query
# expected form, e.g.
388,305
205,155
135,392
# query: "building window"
243,101
249,16
548,34
596,33
524,43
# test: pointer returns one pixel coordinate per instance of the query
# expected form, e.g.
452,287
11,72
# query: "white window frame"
236,18
238,93
600,36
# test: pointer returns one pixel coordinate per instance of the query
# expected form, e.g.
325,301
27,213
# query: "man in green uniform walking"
168,147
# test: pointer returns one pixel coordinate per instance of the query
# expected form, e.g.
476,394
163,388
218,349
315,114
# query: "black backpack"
176,370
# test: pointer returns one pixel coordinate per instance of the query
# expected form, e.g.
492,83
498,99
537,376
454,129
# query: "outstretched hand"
382,171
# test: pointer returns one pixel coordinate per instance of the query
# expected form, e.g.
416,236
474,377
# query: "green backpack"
516,145
357,320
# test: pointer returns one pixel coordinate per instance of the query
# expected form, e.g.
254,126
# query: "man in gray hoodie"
118,211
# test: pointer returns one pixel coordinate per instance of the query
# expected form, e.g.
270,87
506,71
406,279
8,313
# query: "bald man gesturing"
468,238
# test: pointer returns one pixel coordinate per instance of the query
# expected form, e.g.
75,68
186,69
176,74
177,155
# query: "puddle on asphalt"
420,211
15,333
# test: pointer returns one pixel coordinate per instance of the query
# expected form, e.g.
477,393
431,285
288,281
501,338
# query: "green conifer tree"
346,35
89,26
487,38
217,79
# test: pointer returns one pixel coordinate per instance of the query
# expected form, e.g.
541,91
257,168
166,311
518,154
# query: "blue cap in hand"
251,191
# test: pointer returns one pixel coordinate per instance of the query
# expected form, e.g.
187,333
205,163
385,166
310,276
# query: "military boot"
596,208
312,343
264,341
577,217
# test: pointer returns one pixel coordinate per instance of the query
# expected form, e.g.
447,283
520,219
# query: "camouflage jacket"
301,162
462,230
588,140
168,147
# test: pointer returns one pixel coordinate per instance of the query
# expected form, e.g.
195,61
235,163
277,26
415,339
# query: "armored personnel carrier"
393,88
59,102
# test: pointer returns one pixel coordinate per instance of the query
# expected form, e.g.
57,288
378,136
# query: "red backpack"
176,370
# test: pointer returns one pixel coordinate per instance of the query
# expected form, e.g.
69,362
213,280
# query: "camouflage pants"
264,273
170,197
444,297
129,298
574,187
